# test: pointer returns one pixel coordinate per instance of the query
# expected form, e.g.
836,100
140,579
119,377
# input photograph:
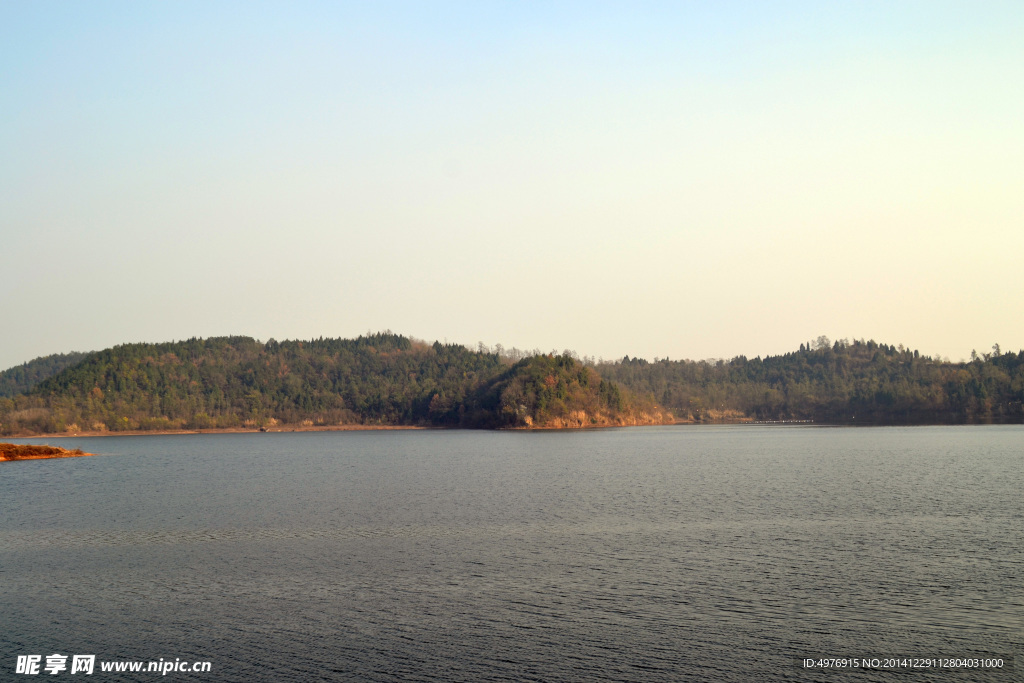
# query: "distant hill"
845,382
557,392
238,382
235,382
388,379
22,378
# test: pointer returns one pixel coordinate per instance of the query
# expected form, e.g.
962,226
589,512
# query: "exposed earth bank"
10,451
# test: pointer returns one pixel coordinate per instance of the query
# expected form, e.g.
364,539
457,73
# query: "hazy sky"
675,179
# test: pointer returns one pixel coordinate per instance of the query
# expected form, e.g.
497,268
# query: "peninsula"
10,451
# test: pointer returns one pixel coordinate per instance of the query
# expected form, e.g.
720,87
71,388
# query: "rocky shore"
10,451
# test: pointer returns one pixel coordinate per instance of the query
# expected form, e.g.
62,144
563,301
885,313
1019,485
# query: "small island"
10,451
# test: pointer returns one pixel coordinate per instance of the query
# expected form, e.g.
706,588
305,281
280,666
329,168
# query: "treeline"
387,379
22,378
859,382
234,382
380,379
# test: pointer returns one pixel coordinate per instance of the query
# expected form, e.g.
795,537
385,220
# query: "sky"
680,179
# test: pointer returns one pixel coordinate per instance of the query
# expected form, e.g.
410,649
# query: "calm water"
708,553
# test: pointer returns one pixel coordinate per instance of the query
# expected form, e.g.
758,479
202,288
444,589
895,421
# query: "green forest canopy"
22,378
388,379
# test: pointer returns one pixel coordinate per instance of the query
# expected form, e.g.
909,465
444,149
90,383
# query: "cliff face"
557,392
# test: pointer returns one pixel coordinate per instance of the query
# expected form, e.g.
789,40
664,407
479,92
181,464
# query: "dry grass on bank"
10,451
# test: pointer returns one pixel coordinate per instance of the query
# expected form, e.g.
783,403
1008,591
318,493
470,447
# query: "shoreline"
364,428
226,430
11,452
279,429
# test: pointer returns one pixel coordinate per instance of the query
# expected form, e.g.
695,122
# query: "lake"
722,553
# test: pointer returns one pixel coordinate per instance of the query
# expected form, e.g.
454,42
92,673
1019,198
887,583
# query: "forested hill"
387,379
22,378
381,379
858,382
233,382
557,392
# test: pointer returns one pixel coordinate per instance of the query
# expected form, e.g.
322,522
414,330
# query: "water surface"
709,553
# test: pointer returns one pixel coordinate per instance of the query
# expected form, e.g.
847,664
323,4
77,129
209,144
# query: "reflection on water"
717,553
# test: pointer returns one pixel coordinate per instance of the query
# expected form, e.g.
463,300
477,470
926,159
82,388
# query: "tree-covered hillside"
238,382
556,392
387,379
22,378
384,379
841,382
